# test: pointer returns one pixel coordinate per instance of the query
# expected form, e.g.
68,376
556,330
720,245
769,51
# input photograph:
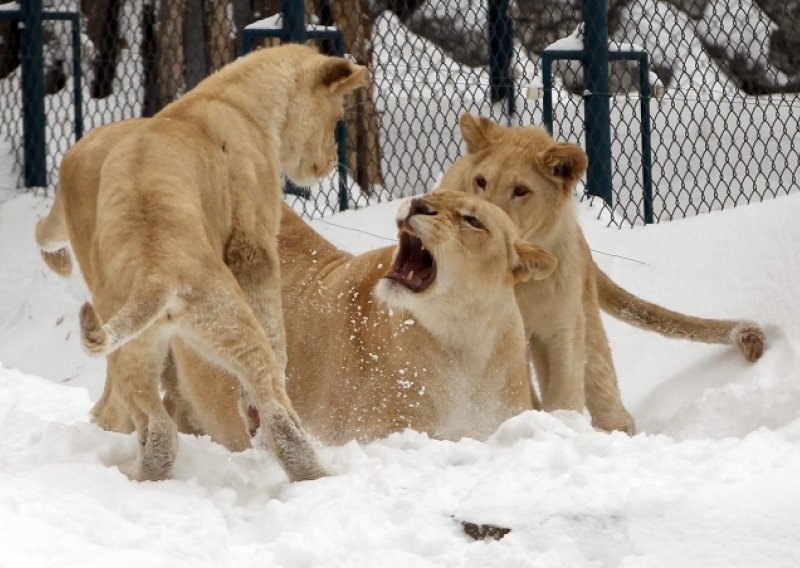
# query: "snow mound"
711,482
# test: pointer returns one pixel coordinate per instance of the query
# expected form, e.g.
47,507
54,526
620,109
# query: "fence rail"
723,133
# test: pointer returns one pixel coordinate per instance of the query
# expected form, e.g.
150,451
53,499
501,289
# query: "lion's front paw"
749,338
622,421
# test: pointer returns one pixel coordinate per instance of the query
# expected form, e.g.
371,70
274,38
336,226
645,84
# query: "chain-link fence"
724,126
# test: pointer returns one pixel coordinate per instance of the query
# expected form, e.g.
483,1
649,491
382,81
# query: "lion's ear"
477,131
340,76
533,263
566,162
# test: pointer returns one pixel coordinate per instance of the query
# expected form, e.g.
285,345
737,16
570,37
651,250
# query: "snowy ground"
712,480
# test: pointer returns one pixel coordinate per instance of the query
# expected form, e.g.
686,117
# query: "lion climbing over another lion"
173,220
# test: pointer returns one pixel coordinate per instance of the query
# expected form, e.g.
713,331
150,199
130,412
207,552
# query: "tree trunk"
169,55
102,27
10,37
260,9
196,67
150,103
219,34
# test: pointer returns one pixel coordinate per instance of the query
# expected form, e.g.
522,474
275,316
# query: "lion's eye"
472,221
521,190
480,182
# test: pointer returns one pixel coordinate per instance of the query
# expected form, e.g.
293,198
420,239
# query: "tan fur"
368,357
173,221
618,302
531,177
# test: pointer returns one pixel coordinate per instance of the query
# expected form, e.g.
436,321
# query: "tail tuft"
749,338
94,338
58,261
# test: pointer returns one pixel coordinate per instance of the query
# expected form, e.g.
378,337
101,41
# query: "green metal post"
341,140
33,118
647,160
294,31
77,75
596,100
547,85
294,21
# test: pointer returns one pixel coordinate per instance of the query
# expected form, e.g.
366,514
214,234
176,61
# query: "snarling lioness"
424,335
173,221
532,177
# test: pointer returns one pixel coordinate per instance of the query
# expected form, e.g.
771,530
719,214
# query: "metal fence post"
647,159
596,99
33,95
294,31
500,49
341,140
294,21
77,77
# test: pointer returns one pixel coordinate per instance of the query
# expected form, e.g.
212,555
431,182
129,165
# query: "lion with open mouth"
423,335
414,267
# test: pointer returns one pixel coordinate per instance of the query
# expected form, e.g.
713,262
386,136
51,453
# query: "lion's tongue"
414,265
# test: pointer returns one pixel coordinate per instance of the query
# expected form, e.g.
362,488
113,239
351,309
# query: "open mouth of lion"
414,267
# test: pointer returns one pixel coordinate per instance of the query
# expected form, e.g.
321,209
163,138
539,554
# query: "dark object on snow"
483,532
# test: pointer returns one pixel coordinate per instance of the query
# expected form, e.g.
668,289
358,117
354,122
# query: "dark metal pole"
294,21
647,159
294,31
33,118
500,49
596,99
341,141
547,86
77,77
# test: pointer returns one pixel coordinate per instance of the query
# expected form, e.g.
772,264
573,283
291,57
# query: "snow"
275,22
573,42
672,38
711,481
742,28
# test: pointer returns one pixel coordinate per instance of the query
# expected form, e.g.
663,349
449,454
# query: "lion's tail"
148,301
621,304
52,237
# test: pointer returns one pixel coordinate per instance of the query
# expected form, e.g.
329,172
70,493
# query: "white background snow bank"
712,482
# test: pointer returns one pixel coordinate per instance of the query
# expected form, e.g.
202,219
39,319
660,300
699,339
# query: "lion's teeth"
410,275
